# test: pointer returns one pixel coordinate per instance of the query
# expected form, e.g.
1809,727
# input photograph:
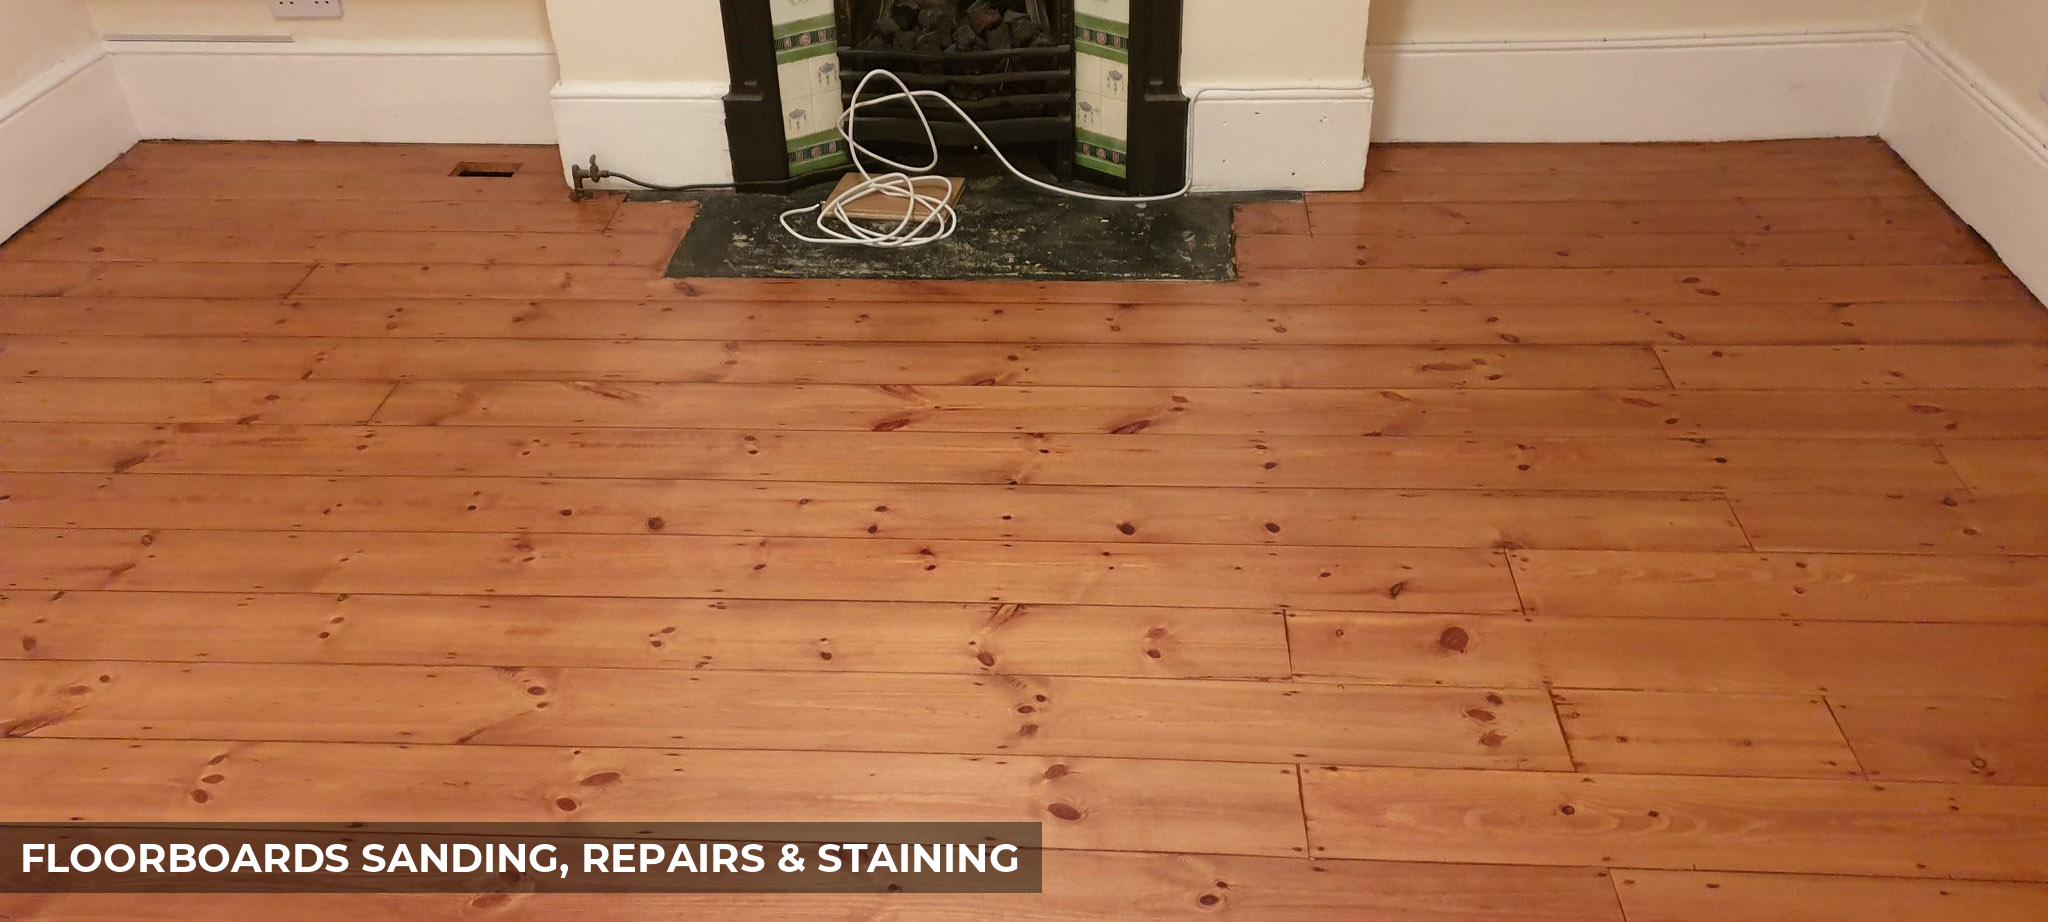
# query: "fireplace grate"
1008,63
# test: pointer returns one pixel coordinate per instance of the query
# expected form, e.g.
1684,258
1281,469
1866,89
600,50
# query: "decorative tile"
1102,65
807,67
1102,154
782,12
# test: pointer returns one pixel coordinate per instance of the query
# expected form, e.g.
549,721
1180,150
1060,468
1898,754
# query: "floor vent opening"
487,170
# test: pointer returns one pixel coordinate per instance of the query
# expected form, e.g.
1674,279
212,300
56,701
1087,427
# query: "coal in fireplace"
1089,85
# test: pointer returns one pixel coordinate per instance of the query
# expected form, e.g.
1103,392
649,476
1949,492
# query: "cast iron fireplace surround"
759,51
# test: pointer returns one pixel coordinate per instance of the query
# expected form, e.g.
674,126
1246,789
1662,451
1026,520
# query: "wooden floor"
1655,533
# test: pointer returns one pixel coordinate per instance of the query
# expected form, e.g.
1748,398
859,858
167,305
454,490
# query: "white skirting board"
1308,139
667,133
1242,138
55,133
340,91
1676,89
1969,145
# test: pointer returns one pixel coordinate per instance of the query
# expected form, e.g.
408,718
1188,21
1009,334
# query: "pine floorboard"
1630,533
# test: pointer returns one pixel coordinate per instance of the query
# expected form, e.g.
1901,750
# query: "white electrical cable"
912,185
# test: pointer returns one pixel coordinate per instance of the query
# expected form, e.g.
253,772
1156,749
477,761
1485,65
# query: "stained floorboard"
1546,532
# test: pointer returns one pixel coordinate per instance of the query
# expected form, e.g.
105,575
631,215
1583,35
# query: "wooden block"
677,566
1160,515
94,400
1857,367
2007,466
1630,732
1279,218
1080,885
1120,804
1581,251
166,357
877,206
1680,896
1954,522
1879,181
975,715
693,634
151,279
95,244
1860,587
1716,656
1772,825
910,456
1082,321
1950,739
985,364
1227,411
1726,216
1613,287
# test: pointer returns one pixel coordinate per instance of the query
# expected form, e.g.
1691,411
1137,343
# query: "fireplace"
1092,84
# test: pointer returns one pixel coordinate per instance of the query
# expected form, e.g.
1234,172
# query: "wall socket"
305,9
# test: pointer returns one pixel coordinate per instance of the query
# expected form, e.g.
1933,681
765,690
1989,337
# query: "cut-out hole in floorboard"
485,170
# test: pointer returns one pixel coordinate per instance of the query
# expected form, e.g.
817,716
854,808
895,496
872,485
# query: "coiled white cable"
927,218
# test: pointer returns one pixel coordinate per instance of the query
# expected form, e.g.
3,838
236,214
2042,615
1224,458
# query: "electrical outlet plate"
305,9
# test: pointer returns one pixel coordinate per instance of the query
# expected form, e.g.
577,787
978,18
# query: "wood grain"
1118,885
1655,653
1537,514
1946,739
1679,896
1808,826
97,244
683,634
1955,522
1018,714
1856,367
1809,284
102,400
1865,587
1161,515
1651,216
2009,467
1721,185
837,363
1123,804
1084,321
1301,411
1691,734
909,456
679,566
1580,251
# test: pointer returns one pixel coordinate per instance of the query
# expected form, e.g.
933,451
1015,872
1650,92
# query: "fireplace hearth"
1092,85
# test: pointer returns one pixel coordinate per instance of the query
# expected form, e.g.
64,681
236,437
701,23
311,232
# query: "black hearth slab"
1007,231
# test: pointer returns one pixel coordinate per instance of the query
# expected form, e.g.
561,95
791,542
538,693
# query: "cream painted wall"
639,41
2005,42
36,36
1412,21
418,21
1288,42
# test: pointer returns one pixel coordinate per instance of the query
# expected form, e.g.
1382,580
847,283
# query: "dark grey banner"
524,858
